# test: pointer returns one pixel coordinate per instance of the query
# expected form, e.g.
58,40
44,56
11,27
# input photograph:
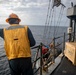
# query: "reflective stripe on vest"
16,42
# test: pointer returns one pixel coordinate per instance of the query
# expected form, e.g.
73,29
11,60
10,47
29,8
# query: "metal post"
53,58
70,35
63,44
74,30
40,58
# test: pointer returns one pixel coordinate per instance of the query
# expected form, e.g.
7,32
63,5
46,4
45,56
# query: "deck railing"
39,49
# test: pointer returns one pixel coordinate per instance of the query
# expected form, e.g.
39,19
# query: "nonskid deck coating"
65,68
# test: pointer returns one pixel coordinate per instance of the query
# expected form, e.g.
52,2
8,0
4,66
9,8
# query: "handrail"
35,47
36,70
39,49
60,36
41,59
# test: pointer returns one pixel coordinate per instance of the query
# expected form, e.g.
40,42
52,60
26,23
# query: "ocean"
38,33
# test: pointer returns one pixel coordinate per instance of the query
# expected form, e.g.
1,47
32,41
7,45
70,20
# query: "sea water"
38,33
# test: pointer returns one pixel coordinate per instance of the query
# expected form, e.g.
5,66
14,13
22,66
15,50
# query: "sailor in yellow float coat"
17,42
19,45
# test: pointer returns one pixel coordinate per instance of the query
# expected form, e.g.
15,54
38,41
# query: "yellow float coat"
16,43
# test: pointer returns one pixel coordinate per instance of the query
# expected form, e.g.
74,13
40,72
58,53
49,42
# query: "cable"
59,19
46,27
50,20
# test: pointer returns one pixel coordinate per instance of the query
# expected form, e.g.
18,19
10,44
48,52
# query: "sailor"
45,53
17,42
51,45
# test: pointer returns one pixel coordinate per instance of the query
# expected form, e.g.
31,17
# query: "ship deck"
65,68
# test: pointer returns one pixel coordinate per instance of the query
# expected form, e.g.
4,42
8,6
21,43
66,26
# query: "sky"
31,12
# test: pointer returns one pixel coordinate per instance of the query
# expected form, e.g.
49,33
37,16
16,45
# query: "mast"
71,14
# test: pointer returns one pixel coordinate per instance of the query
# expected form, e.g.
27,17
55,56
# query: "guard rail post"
53,59
63,44
40,58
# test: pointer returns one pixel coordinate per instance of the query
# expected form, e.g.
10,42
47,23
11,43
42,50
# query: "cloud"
35,4
30,11
4,14
23,3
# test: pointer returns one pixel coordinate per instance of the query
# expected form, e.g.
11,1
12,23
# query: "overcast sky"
31,12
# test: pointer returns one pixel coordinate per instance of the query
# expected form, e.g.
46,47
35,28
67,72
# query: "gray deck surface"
65,68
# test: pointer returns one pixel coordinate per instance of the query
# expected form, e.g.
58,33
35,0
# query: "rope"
53,23
46,23
59,20
50,22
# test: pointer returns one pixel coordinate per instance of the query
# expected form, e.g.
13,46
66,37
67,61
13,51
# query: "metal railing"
39,49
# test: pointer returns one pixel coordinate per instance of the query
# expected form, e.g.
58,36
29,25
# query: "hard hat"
12,16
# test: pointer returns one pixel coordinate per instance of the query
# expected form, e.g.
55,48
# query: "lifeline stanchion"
40,58
63,44
53,59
